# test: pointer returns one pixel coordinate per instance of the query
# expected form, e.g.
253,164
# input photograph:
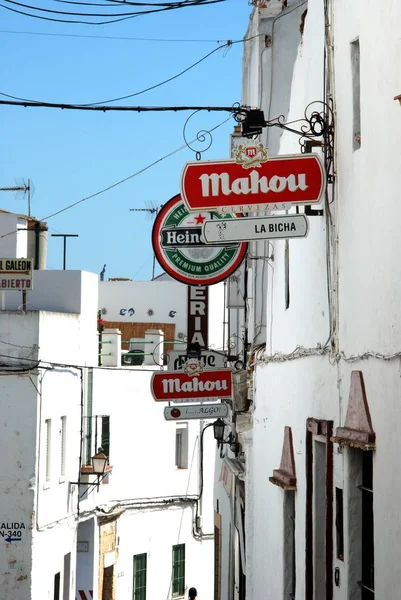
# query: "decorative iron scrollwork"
315,128
203,137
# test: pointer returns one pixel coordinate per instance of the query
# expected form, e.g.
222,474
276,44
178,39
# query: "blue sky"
70,154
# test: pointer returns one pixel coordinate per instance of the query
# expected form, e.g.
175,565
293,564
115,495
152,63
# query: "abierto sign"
15,274
253,183
166,387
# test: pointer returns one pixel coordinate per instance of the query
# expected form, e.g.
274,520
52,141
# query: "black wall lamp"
218,432
99,468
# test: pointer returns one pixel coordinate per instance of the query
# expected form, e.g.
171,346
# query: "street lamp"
98,467
218,431
99,462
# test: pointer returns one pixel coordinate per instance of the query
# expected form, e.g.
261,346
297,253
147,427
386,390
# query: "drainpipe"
37,246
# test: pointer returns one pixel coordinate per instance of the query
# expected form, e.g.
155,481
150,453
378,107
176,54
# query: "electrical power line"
172,6
113,185
126,178
138,109
111,37
226,45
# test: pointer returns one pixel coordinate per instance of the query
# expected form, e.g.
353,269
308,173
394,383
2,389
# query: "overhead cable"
226,45
110,18
113,37
113,185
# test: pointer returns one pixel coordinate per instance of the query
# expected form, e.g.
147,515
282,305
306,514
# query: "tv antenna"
26,188
152,209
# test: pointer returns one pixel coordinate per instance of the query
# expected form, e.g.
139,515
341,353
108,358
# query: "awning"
285,477
358,430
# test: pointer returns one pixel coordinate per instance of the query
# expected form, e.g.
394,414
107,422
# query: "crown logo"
251,156
192,367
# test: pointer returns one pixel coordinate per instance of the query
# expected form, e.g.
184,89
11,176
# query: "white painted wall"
366,212
58,291
154,533
60,330
13,244
162,297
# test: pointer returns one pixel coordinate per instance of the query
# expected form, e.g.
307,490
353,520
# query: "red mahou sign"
167,386
228,186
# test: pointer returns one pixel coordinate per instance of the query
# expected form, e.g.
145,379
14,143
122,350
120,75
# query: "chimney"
37,242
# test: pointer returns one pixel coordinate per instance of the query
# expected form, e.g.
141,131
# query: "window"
178,575
368,548
181,446
319,533
217,556
356,94
63,433
67,576
139,587
56,594
289,545
48,433
319,510
97,435
361,583
340,523
106,435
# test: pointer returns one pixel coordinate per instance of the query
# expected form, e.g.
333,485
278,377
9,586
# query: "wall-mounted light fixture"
99,468
218,432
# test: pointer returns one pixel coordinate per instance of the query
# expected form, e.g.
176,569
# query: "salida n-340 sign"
178,247
253,182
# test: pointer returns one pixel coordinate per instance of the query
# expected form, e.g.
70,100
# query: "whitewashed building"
141,528
321,446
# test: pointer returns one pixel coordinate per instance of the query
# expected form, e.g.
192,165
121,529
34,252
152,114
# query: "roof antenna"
102,272
26,188
151,209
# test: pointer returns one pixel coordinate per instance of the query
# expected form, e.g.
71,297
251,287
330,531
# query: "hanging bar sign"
252,181
259,228
202,386
196,411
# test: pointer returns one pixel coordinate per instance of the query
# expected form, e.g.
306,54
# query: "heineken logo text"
181,236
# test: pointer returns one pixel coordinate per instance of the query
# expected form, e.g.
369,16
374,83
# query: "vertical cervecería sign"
198,315
253,182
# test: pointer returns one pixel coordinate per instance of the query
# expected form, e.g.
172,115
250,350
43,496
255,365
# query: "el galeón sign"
245,186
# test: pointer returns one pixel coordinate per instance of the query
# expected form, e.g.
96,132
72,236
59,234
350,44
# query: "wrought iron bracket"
90,484
315,128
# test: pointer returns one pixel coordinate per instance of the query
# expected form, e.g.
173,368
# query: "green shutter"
139,584
106,435
178,575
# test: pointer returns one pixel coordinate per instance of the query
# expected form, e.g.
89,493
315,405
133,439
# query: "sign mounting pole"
65,236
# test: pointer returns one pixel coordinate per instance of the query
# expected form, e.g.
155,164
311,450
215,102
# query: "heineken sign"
178,246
